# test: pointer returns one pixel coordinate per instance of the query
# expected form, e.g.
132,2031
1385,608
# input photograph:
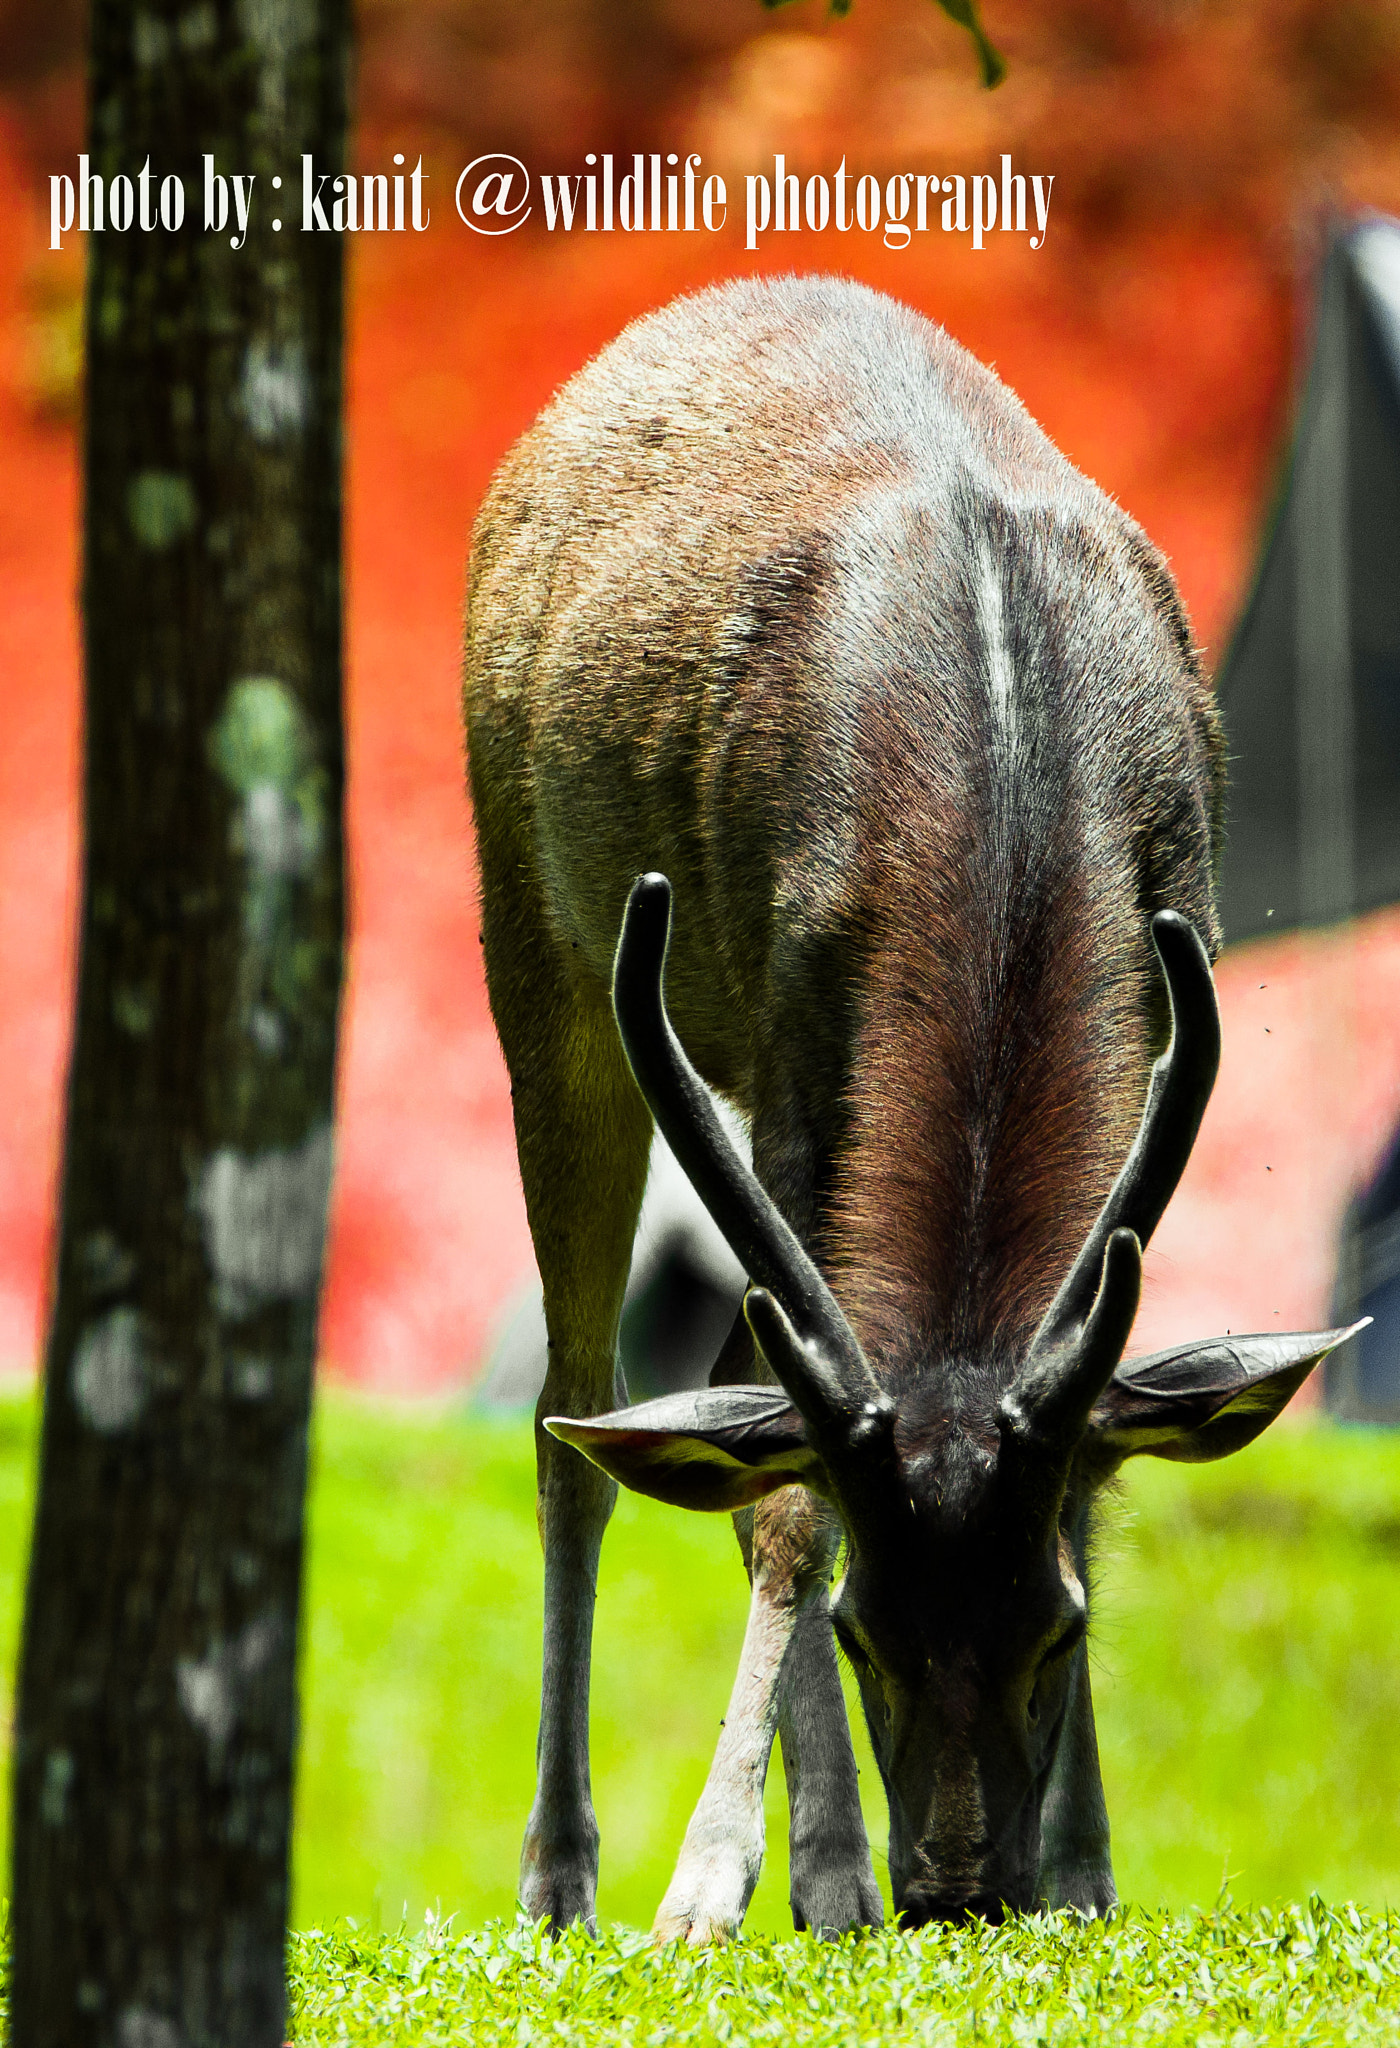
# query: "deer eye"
1068,1639
1052,1667
850,1648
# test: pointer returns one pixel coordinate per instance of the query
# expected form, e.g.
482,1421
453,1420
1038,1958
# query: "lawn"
1247,1674
1227,1979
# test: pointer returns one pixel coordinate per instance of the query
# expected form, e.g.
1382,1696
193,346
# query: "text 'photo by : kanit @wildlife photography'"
495,195
700,1063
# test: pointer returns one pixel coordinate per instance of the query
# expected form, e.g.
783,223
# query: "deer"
837,748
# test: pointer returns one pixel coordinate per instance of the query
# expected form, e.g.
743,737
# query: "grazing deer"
787,597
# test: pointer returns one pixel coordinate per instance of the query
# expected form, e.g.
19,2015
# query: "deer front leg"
1076,1867
833,1885
787,1673
559,1859
722,1853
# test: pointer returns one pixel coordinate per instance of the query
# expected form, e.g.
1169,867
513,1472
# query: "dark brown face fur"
961,1619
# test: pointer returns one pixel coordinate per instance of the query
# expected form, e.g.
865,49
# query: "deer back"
788,597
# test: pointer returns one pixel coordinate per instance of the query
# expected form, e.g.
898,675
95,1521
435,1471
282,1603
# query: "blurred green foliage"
1246,1672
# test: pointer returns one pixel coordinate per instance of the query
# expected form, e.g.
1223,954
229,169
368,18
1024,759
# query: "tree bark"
156,1714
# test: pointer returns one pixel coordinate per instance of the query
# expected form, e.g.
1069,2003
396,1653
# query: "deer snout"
988,1884
918,1908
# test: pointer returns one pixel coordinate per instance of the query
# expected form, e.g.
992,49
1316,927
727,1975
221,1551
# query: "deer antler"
1081,1338
794,1315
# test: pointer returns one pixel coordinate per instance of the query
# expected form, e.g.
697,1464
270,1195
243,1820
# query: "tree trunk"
156,1716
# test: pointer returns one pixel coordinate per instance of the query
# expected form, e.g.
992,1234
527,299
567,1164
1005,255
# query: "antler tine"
823,1370
1180,1088
1050,1401
1181,1084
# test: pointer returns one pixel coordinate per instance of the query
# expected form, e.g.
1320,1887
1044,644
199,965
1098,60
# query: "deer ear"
1202,1401
716,1449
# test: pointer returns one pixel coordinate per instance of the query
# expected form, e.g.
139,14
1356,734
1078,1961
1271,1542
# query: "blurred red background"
1197,153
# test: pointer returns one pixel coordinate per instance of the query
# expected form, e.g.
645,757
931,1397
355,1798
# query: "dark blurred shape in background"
1311,685
1364,1386
683,1294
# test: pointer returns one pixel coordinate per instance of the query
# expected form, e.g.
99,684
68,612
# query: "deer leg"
788,1645
1076,1867
583,1201
722,1853
833,1885
831,1878
787,1676
583,1134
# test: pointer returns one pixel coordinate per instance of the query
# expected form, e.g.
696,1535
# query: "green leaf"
964,12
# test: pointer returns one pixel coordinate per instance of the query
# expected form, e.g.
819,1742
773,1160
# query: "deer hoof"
1087,1887
559,1886
836,1898
561,1899
706,1905
694,1927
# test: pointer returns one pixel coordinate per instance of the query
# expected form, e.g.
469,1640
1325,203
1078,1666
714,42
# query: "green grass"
1247,1675
1223,1980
